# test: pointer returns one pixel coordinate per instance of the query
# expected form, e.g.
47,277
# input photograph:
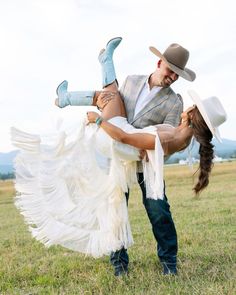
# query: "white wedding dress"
71,191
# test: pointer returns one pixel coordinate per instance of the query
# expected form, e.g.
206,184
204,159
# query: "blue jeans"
163,228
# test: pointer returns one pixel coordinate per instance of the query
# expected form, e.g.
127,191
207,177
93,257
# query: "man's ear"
159,63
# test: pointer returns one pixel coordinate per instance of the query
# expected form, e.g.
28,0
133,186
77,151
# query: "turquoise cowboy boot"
75,98
106,60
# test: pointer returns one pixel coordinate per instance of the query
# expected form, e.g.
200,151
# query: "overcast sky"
44,42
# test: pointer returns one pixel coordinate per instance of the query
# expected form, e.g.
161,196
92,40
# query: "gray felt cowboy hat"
212,112
176,57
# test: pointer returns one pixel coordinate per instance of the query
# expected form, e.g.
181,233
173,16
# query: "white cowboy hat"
212,112
176,58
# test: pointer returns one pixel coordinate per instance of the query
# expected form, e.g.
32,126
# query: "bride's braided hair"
204,136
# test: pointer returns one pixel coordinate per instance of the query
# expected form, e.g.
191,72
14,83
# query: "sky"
44,42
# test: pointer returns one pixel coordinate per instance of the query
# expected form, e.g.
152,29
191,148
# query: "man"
149,100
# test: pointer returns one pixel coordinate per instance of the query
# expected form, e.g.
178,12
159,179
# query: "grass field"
206,233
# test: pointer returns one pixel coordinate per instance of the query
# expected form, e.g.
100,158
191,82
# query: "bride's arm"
143,141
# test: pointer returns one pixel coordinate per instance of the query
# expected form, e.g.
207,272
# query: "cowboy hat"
176,57
212,112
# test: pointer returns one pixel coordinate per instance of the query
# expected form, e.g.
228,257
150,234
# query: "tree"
4,176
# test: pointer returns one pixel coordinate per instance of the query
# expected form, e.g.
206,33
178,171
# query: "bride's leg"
115,106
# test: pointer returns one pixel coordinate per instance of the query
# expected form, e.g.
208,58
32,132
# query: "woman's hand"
104,98
92,116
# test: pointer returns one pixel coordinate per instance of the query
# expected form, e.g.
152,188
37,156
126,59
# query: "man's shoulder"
137,77
177,96
133,82
171,91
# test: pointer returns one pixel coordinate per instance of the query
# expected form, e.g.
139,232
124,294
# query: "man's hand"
104,98
143,155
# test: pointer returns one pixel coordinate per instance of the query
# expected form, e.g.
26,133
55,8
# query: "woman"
176,139
71,191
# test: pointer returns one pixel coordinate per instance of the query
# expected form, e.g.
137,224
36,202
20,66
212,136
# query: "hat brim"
187,74
197,100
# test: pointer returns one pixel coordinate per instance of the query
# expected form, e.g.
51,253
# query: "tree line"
9,175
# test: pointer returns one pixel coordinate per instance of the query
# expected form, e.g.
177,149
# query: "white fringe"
66,198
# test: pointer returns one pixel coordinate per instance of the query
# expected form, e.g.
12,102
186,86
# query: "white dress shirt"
145,97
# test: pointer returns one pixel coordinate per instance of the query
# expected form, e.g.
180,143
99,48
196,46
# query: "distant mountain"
5,169
6,162
226,149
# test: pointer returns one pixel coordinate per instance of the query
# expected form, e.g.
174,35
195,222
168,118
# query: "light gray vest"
165,107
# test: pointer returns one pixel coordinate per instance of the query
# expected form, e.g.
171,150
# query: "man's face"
165,75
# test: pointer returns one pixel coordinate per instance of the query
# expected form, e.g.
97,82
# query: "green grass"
206,234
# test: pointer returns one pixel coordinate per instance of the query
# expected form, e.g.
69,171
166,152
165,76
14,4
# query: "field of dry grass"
206,233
